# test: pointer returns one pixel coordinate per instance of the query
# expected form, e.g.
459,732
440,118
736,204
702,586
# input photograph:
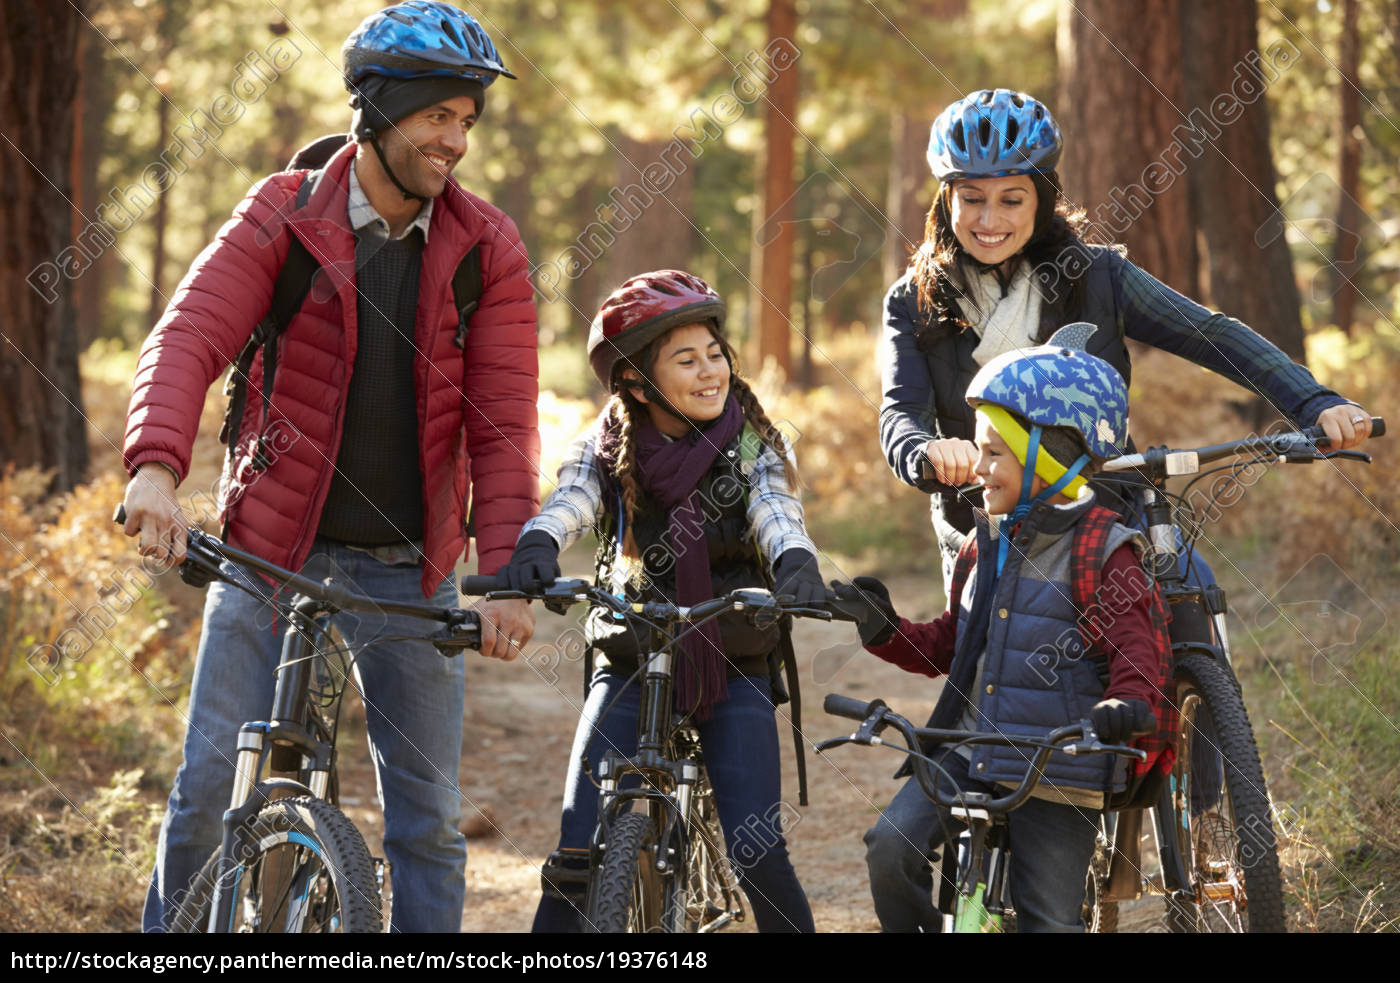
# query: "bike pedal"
565,874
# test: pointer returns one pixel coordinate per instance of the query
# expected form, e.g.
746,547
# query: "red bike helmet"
643,309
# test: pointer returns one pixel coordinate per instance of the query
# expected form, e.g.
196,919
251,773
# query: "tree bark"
655,236
771,300
41,419
1347,255
156,304
1122,94
1249,266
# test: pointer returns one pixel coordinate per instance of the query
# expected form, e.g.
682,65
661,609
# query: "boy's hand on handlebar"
796,575
877,619
534,563
1118,720
1346,425
154,513
952,460
505,628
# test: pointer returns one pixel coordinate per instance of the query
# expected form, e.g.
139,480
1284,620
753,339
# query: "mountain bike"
974,898
290,860
657,861
1213,826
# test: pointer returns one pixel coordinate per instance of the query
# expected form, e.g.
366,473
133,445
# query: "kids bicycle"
973,897
656,861
290,860
1213,827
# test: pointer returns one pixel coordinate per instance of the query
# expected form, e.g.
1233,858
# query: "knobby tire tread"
1249,800
346,856
610,898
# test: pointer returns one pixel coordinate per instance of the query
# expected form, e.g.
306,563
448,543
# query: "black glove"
877,619
1118,720
796,575
534,563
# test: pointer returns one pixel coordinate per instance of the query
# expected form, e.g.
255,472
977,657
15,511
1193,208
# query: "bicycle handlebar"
204,553
1164,462
875,716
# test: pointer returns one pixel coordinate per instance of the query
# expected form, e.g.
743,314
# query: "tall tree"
1123,93
1233,179
773,246
41,418
1347,254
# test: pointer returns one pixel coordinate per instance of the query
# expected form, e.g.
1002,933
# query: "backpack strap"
1085,573
288,293
466,291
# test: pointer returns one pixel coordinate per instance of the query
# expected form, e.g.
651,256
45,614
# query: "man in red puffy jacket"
378,416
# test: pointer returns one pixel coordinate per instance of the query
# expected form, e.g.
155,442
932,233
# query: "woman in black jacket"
1003,264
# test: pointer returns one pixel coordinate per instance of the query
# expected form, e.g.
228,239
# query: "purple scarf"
671,472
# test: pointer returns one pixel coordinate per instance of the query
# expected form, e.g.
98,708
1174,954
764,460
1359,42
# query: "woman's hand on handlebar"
534,563
1346,425
153,512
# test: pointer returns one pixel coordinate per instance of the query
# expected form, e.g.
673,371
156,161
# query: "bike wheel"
707,896
1222,827
627,894
306,870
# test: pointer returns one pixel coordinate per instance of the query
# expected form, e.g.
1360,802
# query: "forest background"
1245,152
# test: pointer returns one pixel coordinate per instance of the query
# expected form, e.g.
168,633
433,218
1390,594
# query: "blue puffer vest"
1030,611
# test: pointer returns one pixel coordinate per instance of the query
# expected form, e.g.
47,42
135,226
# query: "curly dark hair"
938,265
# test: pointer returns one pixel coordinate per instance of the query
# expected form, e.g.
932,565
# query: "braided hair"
624,411
938,265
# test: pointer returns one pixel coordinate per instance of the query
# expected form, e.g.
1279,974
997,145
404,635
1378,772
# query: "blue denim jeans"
740,742
413,702
1051,846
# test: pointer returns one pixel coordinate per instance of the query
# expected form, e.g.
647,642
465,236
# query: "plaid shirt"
576,504
362,213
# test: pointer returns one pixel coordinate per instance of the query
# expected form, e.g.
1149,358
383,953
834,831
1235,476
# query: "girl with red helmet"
680,477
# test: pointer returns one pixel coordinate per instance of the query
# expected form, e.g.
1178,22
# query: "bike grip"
848,706
477,585
1377,427
119,516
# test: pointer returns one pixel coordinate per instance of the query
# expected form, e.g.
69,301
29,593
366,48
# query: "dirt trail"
519,728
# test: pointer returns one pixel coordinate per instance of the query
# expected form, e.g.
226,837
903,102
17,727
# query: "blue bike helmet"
1052,385
993,133
420,39
1058,386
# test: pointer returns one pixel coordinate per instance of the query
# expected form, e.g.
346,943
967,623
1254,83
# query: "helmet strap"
384,163
1024,503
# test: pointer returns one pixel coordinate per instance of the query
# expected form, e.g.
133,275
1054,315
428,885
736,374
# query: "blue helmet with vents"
421,39
993,133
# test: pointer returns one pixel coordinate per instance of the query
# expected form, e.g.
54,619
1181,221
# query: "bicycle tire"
706,895
329,884
1222,823
627,894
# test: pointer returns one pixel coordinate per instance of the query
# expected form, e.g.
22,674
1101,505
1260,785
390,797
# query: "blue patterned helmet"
1059,387
993,133
420,39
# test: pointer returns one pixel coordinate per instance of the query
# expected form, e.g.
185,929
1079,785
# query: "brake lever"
1361,456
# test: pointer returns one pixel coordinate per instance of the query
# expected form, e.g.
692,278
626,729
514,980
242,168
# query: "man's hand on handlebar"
153,512
505,628
1346,425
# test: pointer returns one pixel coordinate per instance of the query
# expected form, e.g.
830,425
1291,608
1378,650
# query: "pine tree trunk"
1122,94
41,419
1232,181
656,236
775,238
1347,256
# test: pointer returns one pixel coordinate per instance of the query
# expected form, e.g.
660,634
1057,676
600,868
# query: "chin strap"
374,142
1024,503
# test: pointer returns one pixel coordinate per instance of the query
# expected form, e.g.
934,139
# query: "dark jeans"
740,742
1051,845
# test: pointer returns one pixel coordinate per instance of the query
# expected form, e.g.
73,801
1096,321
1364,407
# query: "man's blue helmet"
1055,386
420,39
993,133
